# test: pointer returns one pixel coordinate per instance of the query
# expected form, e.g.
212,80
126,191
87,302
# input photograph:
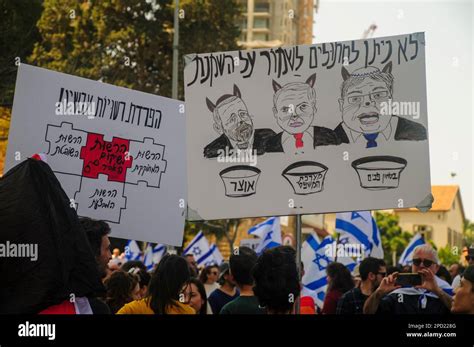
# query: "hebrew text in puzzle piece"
100,198
148,162
104,157
65,145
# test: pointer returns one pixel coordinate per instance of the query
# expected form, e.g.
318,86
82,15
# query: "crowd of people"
269,284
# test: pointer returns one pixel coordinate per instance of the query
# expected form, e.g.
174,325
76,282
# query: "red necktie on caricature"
298,140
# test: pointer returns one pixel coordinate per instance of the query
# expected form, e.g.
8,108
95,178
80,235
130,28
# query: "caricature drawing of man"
232,121
362,93
294,108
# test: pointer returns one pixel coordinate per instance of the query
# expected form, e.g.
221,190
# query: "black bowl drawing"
306,177
240,180
379,172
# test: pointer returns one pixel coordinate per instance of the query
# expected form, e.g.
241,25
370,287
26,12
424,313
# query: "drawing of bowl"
306,177
240,180
379,172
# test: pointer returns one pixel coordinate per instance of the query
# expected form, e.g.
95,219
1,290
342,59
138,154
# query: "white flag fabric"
407,256
199,247
132,251
316,256
360,228
269,232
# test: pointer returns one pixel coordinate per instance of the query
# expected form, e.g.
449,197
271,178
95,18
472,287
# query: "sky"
449,34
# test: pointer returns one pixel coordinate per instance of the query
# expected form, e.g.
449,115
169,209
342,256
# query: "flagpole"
337,243
298,258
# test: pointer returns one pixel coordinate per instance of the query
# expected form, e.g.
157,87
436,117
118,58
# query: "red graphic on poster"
108,158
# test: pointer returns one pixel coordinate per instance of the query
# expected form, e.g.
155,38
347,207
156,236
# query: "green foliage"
468,233
394,239
449,255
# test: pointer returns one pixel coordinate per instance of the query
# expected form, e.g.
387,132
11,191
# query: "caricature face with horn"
232,119
294,105
362,93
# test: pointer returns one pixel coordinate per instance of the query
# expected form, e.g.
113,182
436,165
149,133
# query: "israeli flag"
199,247
270,233
148,258
359,228
407,256
132,251
158,252
316,256
217,254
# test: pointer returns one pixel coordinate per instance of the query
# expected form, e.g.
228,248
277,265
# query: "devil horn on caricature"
237,92
345,74
311,79
275,86
387,68
210,105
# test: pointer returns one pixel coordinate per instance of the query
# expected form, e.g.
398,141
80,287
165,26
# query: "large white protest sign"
119,154
330,127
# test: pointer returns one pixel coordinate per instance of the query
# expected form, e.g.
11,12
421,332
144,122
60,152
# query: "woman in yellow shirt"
165,294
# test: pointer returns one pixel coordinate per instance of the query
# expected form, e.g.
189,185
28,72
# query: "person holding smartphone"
419,293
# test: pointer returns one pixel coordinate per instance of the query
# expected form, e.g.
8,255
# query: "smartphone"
408,279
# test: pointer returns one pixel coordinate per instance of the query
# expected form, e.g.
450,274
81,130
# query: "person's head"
232,118
209,274
195,296
463,300
339,277
294,105
193,267
122,288
133,264
143,280
241,263
97,232
276,278
470,255
443,273
167,283
455,269
116,253
225,278
362,94
372,270
425,257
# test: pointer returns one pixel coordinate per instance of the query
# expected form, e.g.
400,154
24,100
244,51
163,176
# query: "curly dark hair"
340,276
276,279
119,287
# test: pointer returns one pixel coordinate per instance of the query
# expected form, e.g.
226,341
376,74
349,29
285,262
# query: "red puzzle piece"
108,158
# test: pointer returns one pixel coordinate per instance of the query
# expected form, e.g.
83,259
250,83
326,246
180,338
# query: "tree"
394,239
18,34
447,257
468,233
208,26
222,228
123,42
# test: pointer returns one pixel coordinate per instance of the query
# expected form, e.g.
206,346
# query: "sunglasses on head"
426,262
